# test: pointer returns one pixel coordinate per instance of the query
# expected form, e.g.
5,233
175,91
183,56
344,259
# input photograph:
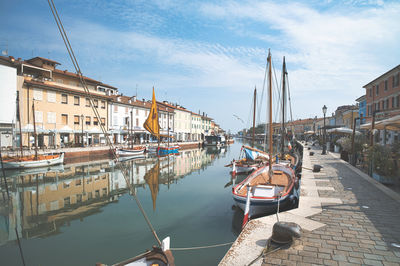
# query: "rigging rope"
202,247
122,167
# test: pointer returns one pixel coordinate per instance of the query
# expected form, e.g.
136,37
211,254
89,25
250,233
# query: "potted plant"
383,164
345,145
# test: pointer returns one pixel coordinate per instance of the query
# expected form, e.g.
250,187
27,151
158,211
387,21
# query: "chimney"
134,98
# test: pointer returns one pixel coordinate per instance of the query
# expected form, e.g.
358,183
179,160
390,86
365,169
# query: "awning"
95,130
342,130
39,129
392,123
310,132
65,129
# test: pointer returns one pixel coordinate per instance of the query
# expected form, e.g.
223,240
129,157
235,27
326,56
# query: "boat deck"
279,178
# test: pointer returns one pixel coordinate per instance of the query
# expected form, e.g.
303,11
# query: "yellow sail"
151,124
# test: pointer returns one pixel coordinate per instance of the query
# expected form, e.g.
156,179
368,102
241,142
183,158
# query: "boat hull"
263,199
167,150
130,152
261,206
33,163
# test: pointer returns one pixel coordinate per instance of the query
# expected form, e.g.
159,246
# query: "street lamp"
83,143
324,137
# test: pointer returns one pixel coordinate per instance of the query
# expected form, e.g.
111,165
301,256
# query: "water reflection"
43,200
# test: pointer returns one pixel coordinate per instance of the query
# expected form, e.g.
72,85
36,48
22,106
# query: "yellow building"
59,105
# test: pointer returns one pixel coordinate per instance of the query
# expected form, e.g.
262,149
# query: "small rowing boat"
131,151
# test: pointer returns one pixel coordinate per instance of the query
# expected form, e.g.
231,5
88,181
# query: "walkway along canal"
347,218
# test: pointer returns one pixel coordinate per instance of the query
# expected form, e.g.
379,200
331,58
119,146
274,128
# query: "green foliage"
382,161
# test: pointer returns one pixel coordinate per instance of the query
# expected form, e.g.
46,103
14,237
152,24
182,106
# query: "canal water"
82,213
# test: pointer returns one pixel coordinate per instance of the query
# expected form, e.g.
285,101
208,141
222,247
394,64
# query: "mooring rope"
202,247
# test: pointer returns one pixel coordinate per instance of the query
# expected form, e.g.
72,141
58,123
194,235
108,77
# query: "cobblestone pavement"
359,231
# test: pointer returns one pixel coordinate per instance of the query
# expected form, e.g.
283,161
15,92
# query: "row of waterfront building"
381,100
56,100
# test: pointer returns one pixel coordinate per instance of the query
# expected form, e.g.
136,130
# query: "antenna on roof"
136,90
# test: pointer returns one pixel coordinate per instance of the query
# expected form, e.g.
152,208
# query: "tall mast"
131,130
19,122
254,114
283,107
270,111
34,128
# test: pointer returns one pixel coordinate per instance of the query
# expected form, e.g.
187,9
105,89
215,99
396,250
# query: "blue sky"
209,55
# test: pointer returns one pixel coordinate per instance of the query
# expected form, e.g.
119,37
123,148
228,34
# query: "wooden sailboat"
269,185
252,158
152,125
131,151
30,161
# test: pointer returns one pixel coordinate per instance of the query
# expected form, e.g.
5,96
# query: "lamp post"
324,137
83,143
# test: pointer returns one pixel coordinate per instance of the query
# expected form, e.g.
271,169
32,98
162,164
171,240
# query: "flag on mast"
151,124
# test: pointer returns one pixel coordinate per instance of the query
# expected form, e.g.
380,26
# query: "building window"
115,108
103,104
96,103
386,85
95,121
87,102
396,80
370,92
64,119
377,89
76,100
88,120
103,121
393,103
398,101
37,94
38,116
78,198
387,104
64,98
137,122
67,201
51,96
51,117
76,119
137,111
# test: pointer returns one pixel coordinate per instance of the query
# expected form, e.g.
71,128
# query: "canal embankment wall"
76,154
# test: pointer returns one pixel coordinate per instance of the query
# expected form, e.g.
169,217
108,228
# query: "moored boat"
32,161
266,189
131,151
168,150
253,159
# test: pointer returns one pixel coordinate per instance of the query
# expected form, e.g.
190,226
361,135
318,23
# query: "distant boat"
131,151
152,125
30,161
253,159
168,150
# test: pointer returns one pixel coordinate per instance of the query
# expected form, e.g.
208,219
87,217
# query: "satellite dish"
4,52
